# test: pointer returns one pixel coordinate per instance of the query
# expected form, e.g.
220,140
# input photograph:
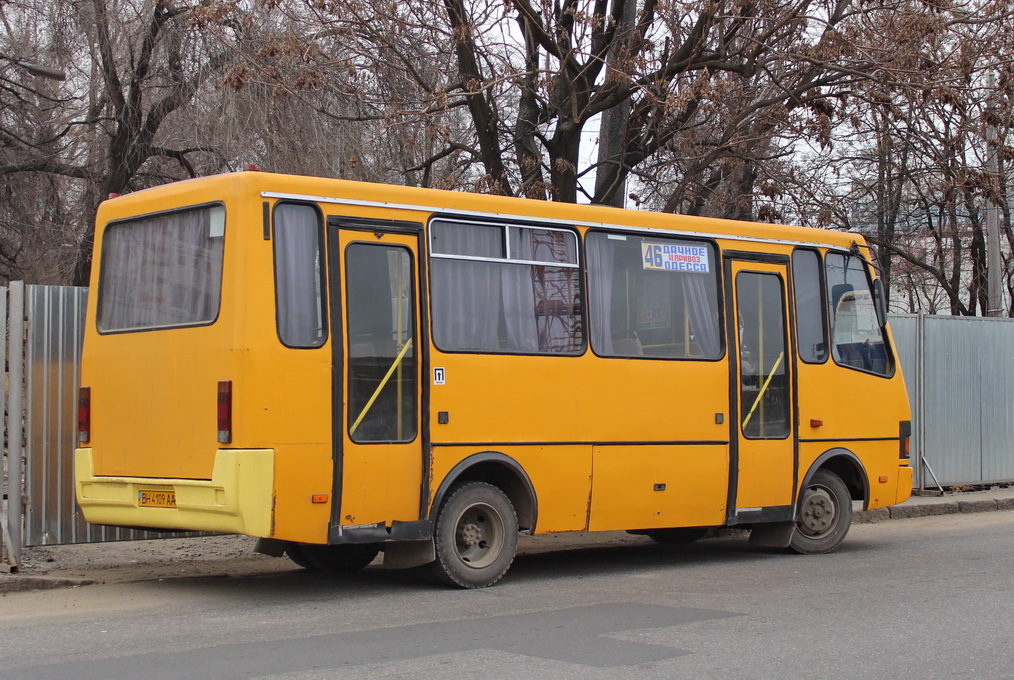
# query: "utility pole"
994,296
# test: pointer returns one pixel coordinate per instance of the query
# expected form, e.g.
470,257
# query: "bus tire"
295,553
825,515
475,536
347,558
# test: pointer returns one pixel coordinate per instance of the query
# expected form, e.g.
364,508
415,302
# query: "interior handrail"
383,383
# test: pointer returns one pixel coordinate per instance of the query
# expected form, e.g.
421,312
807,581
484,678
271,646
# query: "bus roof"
272,185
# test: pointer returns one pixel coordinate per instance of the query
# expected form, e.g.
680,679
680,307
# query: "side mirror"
880,302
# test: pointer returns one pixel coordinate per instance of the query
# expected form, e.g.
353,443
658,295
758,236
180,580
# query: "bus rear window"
162,270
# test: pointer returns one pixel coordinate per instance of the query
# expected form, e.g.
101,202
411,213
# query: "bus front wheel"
825,515
475,537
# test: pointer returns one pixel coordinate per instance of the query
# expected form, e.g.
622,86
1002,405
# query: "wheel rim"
819,512
479,535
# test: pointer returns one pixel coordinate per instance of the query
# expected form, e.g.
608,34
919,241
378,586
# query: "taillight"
84,414
224,411
905,435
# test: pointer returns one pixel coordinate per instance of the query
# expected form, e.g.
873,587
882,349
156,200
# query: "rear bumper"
238,499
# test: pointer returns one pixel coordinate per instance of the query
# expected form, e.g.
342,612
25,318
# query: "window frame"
321,272
505,225
112,224
718,256
418,351
822,300
784,332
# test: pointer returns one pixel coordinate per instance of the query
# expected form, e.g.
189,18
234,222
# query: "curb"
20,584
954,507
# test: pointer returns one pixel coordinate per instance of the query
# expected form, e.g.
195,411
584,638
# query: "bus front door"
763,465
377,400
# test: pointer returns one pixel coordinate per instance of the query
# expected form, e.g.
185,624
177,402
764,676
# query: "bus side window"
652,297
857,338
505,288
299,294
811,326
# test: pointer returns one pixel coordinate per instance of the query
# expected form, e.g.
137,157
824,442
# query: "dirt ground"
202,556
144,560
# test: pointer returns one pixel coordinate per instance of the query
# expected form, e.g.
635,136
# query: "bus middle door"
763,465
377,351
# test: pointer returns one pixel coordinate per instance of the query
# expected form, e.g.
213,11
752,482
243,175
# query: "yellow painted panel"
765,473
381,483
154,393
808,453
492,398
300,473
154,402
624,495
849,404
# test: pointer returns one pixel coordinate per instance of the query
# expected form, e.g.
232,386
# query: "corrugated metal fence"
960,375
959,371
43,349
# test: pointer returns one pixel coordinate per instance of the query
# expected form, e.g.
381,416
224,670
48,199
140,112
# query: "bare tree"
907,164
709,85
33,216
135,64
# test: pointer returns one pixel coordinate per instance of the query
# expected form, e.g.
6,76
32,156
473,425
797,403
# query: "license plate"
153,498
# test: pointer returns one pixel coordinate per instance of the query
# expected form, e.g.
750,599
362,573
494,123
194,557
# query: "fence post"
10,563
917,407
15,414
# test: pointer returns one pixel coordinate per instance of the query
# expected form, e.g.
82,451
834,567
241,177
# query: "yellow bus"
343,368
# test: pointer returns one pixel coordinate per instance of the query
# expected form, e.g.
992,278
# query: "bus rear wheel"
825,515
295,553
338,559
475,537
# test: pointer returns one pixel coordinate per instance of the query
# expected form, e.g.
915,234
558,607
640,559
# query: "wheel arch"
847,466
501,471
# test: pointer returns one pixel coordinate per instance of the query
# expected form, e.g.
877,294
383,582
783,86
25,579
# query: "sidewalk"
62,566
950,503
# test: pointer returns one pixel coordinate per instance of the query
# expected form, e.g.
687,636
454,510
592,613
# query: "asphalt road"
921,598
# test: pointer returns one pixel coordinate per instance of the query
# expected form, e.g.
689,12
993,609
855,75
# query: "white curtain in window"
161,271
466,294
599,252
297,275
519,298
703,322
